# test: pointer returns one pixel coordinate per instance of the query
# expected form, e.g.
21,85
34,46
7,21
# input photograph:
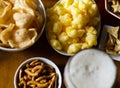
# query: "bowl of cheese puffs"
37,72
72,25
21,23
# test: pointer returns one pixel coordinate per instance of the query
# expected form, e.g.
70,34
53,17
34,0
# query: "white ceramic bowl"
44,60
41,9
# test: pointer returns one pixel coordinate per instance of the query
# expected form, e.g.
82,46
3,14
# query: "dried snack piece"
5,9
6,34
113,31
18,37
23,20
115,4
117,46
113,43
116,7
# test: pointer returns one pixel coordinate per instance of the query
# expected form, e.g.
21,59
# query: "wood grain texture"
9,61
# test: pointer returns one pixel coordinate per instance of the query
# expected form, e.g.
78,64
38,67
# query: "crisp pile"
72,25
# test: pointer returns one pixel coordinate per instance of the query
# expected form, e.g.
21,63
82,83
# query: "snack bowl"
110,10
49,76
67,29
33,15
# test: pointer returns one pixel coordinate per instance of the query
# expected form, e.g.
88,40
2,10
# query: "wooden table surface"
9,61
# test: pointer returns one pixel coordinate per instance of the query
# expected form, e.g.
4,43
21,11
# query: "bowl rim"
40,4
46,61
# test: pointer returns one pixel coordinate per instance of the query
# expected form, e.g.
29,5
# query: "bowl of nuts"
21,23
72,26
37,72
113,7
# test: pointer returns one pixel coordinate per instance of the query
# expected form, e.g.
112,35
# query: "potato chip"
23,37
117,46
5,9
21,5
6,34
23,20
31,4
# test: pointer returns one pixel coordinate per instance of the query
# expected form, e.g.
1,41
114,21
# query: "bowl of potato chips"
37,72
72,25
21,23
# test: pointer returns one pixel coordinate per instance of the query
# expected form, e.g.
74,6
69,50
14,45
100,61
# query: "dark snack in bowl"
37,74
113,43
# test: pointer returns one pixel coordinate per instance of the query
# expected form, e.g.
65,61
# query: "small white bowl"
42,11
44,60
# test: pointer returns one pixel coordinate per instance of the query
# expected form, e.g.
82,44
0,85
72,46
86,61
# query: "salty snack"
72,25
37,74
115,5
113,42
20,23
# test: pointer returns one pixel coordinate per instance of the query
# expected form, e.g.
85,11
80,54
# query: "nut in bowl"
21,23
72,25
37,72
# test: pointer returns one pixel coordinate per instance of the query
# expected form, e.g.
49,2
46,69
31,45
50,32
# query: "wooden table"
9,61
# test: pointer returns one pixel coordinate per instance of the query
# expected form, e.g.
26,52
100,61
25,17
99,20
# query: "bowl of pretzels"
37,72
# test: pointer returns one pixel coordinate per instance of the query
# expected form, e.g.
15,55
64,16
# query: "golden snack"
115,5
20,23
72,25
113,43
37,74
